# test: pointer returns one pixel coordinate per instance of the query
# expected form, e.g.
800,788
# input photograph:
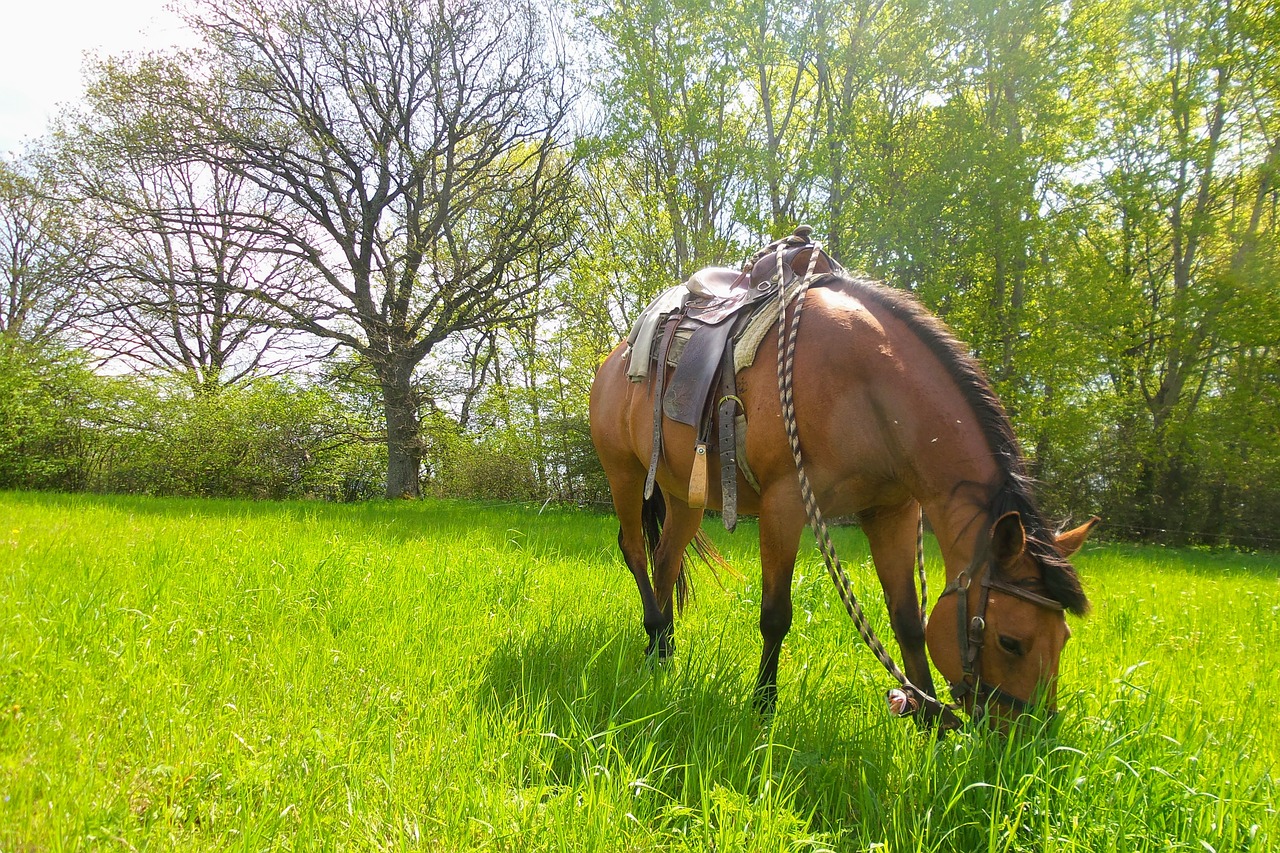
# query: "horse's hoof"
662,645
659,652
766,701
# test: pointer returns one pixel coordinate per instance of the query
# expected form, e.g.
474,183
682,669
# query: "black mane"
1015,492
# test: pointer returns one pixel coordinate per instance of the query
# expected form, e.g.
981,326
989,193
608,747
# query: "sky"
42,49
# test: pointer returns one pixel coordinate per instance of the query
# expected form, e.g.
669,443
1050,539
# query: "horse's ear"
1008,538
1069,541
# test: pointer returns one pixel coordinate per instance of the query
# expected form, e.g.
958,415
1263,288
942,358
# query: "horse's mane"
1015,492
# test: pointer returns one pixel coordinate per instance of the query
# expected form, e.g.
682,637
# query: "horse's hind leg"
681,525
627,488
891,532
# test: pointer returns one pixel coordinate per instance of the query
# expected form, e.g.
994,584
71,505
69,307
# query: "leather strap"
659,380
728,444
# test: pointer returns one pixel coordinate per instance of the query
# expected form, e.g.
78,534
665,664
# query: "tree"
1189,209
48,398
184,277
44,252
669,76
780,121
415,153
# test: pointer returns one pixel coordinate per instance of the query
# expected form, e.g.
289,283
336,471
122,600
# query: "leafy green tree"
48,401
668,75
1187,211
872,65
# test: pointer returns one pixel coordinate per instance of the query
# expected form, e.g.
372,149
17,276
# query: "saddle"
693,328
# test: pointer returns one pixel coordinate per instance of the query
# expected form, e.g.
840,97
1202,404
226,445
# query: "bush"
47,400
500,469
267,439
63,427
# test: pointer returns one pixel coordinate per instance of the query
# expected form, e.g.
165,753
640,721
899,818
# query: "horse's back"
852,389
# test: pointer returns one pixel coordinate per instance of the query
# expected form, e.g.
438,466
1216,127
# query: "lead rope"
924,703
924,582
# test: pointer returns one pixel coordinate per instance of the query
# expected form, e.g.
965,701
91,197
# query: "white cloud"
42,48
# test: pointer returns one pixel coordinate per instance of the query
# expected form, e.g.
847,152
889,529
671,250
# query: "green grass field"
180,674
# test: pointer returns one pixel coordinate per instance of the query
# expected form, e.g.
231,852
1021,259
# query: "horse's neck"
958,529
943,420
960,495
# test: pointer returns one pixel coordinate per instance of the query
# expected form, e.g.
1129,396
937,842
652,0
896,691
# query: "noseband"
972,634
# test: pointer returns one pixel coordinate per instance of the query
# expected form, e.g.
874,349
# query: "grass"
180,674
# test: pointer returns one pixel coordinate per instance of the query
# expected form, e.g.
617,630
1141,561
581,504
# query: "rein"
921,702
971,632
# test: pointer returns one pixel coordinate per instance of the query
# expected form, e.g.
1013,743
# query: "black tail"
652,517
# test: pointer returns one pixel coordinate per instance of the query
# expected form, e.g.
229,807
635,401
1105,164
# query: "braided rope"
924,582
787,334
924,704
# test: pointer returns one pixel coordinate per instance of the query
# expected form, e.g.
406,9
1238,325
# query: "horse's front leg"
780,528
891,534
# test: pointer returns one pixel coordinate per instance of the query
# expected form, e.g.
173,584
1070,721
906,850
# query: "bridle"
971,633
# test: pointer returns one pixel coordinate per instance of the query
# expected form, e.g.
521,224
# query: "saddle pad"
643,332
745,348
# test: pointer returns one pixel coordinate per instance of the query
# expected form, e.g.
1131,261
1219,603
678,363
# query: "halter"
971,633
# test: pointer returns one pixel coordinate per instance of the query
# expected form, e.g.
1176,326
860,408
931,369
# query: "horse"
894,418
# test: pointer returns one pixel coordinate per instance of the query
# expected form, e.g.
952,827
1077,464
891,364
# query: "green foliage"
267,439
194,675
500,467
1085,191
63,427
48,399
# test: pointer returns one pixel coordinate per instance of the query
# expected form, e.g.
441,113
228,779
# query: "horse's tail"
652,517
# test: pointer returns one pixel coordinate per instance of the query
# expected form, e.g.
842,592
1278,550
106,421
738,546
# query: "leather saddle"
720,303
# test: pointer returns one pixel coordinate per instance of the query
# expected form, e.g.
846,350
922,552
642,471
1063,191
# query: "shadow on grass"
586,699
585,702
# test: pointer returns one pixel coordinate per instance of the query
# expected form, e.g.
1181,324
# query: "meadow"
196,674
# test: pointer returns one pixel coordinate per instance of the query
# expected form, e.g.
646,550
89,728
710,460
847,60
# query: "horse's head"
998,629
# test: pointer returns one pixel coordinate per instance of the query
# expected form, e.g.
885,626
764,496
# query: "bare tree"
43,254
415,152
180,257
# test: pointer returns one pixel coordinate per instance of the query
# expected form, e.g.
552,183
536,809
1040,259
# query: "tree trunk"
404,442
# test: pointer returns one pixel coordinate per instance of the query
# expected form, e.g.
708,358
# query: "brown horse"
893,416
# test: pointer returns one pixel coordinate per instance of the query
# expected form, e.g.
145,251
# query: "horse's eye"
1010,645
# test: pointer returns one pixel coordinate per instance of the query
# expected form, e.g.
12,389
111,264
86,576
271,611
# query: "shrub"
266,439
47,400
